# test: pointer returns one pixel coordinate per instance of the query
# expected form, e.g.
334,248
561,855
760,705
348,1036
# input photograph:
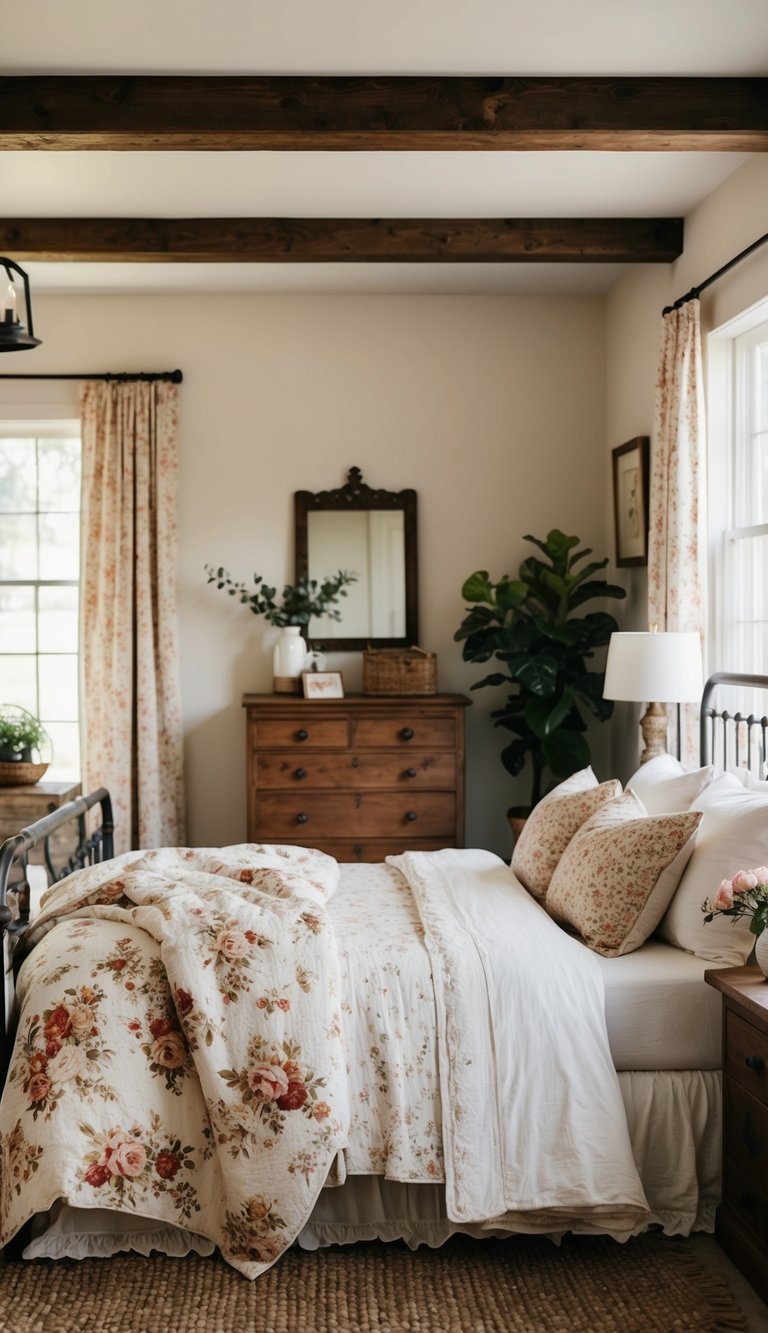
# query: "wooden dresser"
361,778
742,1218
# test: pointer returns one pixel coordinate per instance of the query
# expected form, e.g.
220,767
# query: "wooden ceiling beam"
343,240
149,112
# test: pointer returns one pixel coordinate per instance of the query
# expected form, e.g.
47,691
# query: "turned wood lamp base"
653,725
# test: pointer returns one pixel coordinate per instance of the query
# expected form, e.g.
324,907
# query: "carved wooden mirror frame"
356,495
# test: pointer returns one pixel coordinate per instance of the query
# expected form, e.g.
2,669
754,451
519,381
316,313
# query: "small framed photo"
322,684
630,501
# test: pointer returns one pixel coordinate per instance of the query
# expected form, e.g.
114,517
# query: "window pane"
58,620
65,739
58,687
59,463
17,620
18,682
59,546
762,387
747,583
18,547
18,476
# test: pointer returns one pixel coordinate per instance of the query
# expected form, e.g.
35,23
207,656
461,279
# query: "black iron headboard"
733,739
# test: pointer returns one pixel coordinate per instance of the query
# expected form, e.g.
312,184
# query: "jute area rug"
523,1285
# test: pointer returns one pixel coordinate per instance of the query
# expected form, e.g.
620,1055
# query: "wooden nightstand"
742,1218
21,806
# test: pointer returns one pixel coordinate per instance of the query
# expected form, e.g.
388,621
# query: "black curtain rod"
695,292
120,377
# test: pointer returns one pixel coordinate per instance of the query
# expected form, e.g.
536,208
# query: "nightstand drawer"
319,815
746,1200
364,770
747,1058
746,1140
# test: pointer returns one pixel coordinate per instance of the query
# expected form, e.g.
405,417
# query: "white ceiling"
514,37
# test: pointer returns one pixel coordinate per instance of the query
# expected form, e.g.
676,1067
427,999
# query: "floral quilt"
215,1097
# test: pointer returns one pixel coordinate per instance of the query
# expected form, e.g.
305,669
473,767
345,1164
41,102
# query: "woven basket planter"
19,774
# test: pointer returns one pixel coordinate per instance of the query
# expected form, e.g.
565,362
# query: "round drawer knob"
300,773
302,735
410,772
302,818
407,733
755,1062
411,815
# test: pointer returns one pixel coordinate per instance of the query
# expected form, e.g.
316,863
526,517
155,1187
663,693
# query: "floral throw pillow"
619,872
551,825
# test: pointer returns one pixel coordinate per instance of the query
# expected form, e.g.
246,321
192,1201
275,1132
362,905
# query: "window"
739,498
39,573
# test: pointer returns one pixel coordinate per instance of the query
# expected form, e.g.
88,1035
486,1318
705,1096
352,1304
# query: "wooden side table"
21,806
742,1218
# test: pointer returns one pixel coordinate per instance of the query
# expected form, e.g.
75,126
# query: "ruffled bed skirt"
675,1125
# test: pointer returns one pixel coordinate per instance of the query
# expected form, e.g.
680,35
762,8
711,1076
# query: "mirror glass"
371,533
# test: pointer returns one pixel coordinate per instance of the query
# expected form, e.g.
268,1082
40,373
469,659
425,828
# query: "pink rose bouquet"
744,894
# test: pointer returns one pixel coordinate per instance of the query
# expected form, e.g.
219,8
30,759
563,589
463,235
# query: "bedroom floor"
710,1256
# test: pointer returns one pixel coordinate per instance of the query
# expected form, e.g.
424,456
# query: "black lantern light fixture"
13,334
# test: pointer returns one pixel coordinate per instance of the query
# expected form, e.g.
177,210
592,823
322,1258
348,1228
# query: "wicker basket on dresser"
361,778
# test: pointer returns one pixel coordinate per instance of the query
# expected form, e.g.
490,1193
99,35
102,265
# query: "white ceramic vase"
288,659
761,952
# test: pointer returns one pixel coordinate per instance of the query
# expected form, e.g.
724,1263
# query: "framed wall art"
630,501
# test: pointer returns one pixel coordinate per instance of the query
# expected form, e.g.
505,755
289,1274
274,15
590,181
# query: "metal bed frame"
15,897
749,733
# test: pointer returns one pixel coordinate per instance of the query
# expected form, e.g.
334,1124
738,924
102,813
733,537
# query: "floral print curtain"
676,537
132,733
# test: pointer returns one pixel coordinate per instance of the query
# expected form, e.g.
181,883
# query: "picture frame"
322,684
630,501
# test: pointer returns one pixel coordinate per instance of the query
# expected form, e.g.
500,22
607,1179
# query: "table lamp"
654,668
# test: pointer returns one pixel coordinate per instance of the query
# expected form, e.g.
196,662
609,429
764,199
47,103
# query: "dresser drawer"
746,1119
373,849
406,730
307,732
369,768
311,815
747,1058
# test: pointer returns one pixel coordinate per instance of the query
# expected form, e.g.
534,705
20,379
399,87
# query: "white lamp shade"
660,668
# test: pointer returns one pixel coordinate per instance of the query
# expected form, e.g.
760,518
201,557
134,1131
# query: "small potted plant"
301,602
534,627
24,746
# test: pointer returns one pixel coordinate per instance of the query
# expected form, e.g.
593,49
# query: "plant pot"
8,755
517,815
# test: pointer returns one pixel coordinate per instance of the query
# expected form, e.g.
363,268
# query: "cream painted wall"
729,220
492,409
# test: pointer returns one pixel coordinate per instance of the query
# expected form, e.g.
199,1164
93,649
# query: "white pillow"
733,836
664,786
749,780
618,873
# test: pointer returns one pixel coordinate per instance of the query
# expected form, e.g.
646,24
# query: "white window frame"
62,424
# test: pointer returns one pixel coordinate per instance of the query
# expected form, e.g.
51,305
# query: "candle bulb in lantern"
9,315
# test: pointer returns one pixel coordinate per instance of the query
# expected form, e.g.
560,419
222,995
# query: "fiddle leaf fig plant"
534,626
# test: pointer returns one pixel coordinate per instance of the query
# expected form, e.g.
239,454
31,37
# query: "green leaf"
566,752
598,588
539,675
477,587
